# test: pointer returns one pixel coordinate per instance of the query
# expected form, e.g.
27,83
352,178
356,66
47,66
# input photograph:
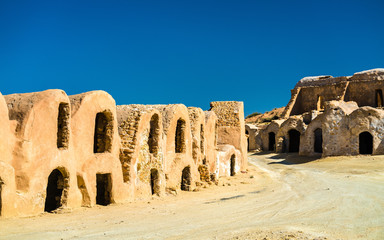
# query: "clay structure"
60,152
329,116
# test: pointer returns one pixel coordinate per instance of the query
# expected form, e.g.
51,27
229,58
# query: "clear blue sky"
190,52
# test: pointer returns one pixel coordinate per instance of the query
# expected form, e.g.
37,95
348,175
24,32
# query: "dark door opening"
294,140
318,140
379,98
54,191
272,141
155,182
186,179
104,189
365,143
233,165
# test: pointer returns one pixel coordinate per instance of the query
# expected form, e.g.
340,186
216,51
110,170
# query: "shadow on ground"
287,158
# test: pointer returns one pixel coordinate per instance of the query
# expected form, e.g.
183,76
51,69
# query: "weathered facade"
231,128
60,151
329,116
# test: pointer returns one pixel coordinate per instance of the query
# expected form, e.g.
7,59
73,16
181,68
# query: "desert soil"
280,197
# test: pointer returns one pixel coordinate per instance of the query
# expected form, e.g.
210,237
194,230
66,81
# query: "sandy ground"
280,197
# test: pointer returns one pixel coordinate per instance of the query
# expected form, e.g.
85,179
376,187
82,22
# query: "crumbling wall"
36,154
336,134
307,147
197,120
85,108
211,135
273,127
282,136
141,152
309,96
229,160
7,172
254,142
231,127
175,162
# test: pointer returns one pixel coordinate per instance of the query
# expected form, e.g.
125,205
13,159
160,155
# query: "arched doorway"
104,189
155,181
233,165
186,179
365,143
55,189
272,141
318,145
294,140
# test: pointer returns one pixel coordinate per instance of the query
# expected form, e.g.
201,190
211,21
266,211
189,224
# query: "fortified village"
328,116
61,152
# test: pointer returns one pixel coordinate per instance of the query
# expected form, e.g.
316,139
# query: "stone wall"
231,127
61,152
361,88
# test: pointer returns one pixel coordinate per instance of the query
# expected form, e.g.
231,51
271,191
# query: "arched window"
320,103
379,98
180,136
103,132
154,134
63,126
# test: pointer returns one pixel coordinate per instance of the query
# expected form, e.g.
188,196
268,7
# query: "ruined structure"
60,151
329,116
231,129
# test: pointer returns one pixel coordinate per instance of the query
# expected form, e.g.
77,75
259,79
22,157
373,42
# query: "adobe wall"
37,153
141,152
226,154
197,120
7,173
308,139
273,127
73,151
282,136
360,88
253,141
211,135
231,127
85,108
176,161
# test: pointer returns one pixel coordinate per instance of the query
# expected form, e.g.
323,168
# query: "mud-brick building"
329,116
310,93
61,152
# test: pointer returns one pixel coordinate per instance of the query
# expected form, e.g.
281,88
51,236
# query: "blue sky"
190,52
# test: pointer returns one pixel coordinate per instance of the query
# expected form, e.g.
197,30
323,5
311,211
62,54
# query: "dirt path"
281,198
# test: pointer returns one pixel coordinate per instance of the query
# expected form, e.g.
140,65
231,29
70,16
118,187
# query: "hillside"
265,117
